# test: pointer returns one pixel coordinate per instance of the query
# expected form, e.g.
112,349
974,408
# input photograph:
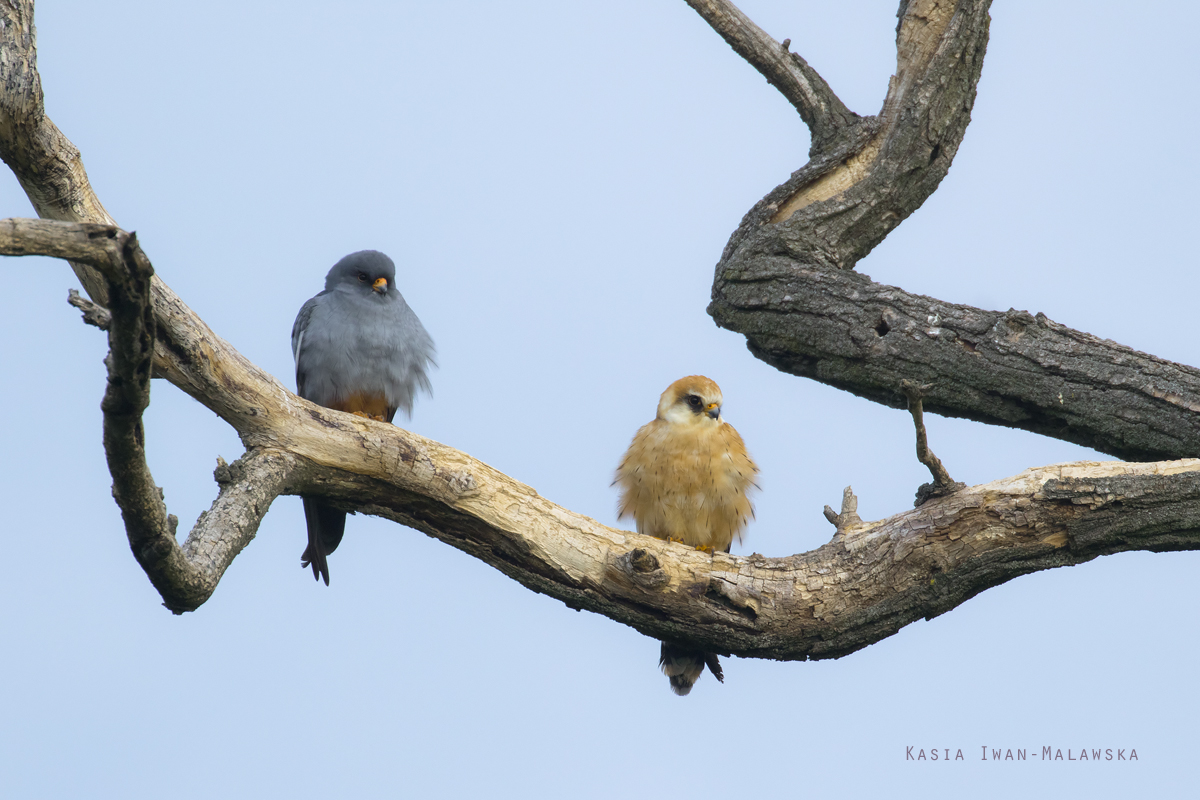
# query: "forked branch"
825,115
185,576
870,581
785,280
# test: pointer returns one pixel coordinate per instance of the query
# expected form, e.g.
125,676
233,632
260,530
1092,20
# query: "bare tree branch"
98,246
44,161
130,355
871,580
835,209
847,519
187,576
785,281
826,116
1003,368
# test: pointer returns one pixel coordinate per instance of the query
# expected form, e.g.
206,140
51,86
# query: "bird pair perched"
686,476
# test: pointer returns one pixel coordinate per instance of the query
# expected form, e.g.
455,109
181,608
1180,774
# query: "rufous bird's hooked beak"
380,285
713,410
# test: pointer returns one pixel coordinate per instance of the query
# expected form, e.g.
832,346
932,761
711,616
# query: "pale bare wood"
871,580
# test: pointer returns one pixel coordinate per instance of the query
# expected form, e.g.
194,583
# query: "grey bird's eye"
362,276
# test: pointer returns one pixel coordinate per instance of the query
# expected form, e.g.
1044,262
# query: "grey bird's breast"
350,345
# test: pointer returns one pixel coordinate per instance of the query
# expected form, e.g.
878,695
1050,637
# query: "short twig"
942,484
849,517
92,314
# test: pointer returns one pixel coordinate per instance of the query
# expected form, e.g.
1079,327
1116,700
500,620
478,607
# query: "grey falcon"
358,348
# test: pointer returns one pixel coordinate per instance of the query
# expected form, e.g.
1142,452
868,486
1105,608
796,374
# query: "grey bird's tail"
683,665
325,528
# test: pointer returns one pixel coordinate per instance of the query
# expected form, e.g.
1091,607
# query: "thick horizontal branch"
865,585
826,116
873,579
1003,368
785,281
98,246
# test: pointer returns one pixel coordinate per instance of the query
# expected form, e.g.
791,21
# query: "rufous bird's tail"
682,665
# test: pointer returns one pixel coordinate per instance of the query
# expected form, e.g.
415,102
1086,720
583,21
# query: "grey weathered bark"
786,278
872,579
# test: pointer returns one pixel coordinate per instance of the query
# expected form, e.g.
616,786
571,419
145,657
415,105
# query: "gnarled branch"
872,579
785,281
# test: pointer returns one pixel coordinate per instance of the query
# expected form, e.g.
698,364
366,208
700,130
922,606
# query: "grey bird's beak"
713,410
380,285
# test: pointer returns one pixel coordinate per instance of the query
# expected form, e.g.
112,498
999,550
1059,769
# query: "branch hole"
882,328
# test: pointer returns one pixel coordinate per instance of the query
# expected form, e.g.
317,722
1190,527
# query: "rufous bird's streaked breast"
687,477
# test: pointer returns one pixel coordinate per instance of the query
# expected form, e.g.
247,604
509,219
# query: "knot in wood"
642,560
226,474
932,491
1017,320
641,567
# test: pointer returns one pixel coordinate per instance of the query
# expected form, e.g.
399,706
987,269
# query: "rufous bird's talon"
687,472
363,414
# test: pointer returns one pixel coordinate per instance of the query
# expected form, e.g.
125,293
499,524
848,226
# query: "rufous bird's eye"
694,402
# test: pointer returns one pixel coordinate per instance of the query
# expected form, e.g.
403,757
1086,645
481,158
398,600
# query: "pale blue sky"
555,181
